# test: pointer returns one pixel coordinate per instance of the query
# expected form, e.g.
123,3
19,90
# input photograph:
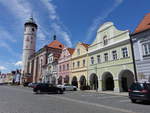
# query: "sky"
72,21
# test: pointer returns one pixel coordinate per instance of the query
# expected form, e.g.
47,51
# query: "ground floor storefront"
115,78
79,79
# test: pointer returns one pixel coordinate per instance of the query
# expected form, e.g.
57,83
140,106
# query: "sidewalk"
109,92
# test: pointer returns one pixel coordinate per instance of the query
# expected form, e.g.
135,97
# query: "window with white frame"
146,48
78,63
106,57
73,65
92,60
78,51
114,55
98,59
83,62
63,67
59,68
67,66
105,40
124,52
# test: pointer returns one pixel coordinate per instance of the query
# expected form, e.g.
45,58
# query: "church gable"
56,44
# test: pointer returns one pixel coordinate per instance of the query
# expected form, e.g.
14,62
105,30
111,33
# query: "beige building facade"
110,63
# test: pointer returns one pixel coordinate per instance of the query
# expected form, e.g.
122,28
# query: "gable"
56,44
108,31
80,50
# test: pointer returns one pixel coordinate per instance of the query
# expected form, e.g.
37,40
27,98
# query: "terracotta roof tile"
56,44
71,50
144,24
85,45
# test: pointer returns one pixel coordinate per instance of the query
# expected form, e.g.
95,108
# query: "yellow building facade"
79,65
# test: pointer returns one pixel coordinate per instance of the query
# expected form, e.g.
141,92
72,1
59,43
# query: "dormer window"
105,40
60,46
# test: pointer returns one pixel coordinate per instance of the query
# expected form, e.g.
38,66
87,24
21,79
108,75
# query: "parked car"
68,87
25,84
31,85
47,88
139,91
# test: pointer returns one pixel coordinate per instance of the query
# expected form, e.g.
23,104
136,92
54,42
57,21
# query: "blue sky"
70,20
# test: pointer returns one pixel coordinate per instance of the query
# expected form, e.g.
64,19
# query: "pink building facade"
64,65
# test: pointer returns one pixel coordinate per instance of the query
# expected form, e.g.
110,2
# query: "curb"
109,93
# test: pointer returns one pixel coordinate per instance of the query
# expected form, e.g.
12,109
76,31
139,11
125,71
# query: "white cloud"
19,8
101,18
51,9
2,68
19,63
7,46
22,9
57,25
64,35
5,35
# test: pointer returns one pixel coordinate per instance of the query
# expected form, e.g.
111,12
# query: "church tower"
29,42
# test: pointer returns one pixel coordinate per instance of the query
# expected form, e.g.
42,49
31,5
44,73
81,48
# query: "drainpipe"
133,57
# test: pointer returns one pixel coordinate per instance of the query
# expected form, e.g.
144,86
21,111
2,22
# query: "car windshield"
67,84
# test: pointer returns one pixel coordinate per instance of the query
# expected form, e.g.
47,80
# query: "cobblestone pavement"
15,99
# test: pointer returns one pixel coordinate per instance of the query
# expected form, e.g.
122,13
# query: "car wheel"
64,89
133,100
38,91
75,89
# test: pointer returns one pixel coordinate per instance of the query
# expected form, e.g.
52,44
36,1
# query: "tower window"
33,29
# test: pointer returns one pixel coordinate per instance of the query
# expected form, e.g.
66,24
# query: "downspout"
133,57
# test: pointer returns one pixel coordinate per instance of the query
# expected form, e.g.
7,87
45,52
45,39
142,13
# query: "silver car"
68,87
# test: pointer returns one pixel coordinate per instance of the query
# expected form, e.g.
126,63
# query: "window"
78,51
105,41
114,55
59,68
106,57
67,66
63,67
146,49
98,59
125,52
73,64
60,46
83,63
33,29
25,29
78,63
92,60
